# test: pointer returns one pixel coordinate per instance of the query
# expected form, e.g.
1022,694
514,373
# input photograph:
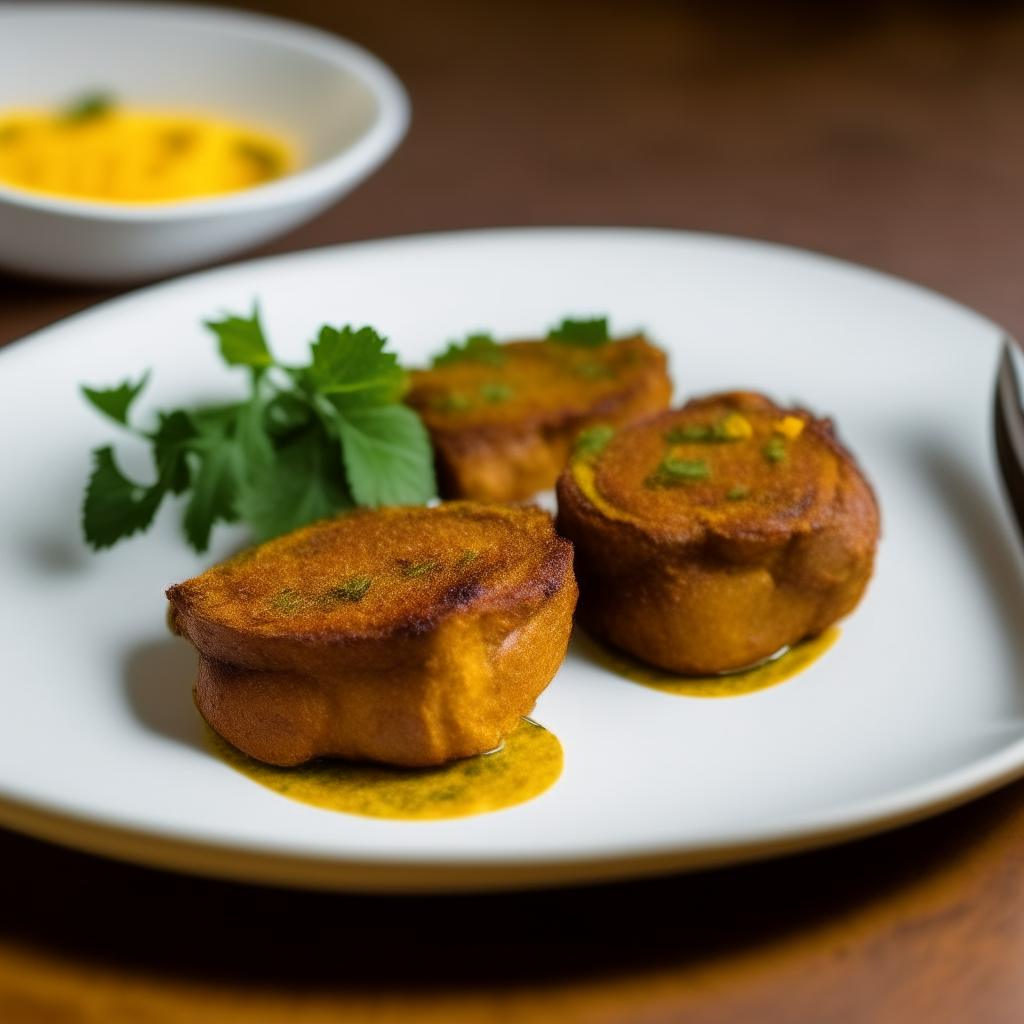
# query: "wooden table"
894,140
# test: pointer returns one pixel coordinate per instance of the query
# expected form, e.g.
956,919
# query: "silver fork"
1009,430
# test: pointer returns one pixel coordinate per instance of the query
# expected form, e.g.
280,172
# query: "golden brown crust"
502,433
750,545
406,635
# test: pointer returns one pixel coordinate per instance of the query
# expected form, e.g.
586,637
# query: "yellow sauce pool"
734,684
529,762
97,151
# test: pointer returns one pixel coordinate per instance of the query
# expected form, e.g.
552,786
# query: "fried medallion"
411,636
503,418
710,537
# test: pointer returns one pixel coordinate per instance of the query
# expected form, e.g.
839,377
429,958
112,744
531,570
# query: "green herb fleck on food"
287,601
352,590
594,371
88,107
477,348
466,557
454,402
737,493
775,450
417,569
309,442
593,441
494,393
588,333
691,434
731,427
674,472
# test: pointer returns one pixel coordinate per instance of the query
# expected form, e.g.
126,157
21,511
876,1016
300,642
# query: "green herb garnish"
417,569
494,393
477,348
466,557
673,472
352,590
454,402
88,107
287,601
593,441
588,333
737,493
731,427
594,371
693,434
309,442
775,450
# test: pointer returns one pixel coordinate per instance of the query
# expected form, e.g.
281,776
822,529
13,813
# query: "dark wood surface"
890,136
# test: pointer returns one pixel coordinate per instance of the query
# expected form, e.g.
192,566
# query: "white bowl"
343,109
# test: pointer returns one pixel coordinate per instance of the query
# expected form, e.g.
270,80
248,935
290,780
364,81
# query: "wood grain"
887,135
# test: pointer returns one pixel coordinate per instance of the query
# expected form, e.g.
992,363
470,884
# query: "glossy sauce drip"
527,764
733,684
134,156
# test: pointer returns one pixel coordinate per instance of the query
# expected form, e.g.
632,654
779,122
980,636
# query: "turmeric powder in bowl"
96,150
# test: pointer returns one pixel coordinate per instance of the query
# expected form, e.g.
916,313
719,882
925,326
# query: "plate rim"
382,875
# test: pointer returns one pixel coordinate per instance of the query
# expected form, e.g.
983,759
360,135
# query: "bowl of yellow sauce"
141,140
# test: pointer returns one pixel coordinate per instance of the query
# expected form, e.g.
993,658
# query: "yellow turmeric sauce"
100,152
733,684
528,763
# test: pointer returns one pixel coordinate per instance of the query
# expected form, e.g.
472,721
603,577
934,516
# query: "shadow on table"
27,305
129,918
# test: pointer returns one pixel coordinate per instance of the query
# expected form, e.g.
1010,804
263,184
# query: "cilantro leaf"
306,441
254,449
213,495
287,412
115,506
169,448
214,484
242,342
388,459
352,370
115,402
477,348
588,333
302,484
593,441
230,447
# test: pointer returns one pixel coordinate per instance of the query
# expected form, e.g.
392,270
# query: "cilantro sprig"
587,333
482,348
309,442
477,348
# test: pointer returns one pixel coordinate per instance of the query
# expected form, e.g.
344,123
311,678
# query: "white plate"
916,708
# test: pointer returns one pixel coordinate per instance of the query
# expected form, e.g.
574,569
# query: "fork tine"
1009,431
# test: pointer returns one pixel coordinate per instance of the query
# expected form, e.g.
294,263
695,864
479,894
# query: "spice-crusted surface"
503,418
533,382
709,538
733,464
373,573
